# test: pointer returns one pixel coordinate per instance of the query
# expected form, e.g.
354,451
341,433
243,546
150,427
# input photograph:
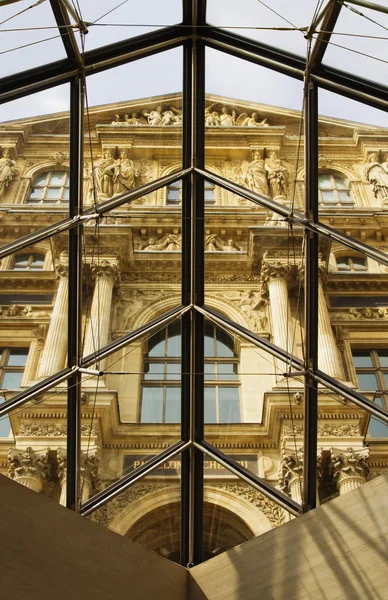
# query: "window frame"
59,200
177,186
334,190
378,370
349,258
5,354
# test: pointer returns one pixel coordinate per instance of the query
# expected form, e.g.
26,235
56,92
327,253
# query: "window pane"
367,381
17,357
57,178
210,405
174,339
65,195
209,339
154,371
345,197
225,344
343,264
11,381
37,262
359,264
383,358
21,262
328,197
173,370
229,405
324,181
36,194
227,371
210,371
174,195
156,345
152,405
53,193
340,183
5,425
173,405
363,359
376,427
386,380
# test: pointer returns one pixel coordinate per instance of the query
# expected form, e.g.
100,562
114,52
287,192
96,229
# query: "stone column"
275,275
89,480
36,346
329,357
349,468
97,330
291,474
28,468
55,349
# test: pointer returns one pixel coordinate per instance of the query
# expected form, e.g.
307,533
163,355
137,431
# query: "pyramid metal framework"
194,35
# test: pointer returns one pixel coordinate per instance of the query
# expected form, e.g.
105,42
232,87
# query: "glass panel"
173,405
227,371
173,370
328,197
29,38
209,339
383,358
262,21
174,339
17,357
139,109
229,405
210,370
58,178
340,183
210,405
367,381
154,370
152,405
157,344
108,24
148,512
377,428
225,344
324,181
362,359
358,42
12,381
53,193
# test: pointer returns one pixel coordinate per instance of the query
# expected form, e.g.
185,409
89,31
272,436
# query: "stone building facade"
253,276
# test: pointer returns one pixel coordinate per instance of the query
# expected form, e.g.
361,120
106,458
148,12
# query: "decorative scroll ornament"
273,512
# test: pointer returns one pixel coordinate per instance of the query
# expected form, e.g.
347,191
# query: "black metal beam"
323,38
67,32
90,213
254,480
197,293
186,297
311,250
251,337
75,295
116,488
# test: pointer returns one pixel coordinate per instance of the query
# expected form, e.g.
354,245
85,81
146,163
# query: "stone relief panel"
250,304
129,305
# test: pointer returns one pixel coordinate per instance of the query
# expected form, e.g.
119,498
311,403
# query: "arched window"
28,262
50,187
334,190
161,397
351,264
174,193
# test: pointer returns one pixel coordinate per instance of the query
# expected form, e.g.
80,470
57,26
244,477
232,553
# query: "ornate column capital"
350,467
29,468
89,467
106,269
291,472
61,269
274,269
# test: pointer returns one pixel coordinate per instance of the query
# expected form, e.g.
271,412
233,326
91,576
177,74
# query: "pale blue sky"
161,74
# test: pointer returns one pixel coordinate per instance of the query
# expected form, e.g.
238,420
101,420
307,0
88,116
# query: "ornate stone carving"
213,243
244,120
365,312
274,269
272,511
327,430
170,242
54,430
106,269
8,170
252,305
109,511
129,305
224,118
58,158
349,468
377,175
291,472
277,174
28,468
89,467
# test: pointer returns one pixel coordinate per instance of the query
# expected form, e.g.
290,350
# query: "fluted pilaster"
55,349
329,357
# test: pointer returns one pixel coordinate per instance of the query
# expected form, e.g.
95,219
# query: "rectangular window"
372,375
12,365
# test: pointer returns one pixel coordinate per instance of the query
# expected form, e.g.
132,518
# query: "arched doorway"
159,530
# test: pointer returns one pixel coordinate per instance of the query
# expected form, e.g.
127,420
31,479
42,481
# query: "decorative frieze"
271,510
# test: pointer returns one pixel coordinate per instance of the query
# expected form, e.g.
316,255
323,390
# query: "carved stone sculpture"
291,472
350,469
256,175
245,121
227,119
154,117
277,175
28,468
8,170
168,243
123,174
377,175
103,176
